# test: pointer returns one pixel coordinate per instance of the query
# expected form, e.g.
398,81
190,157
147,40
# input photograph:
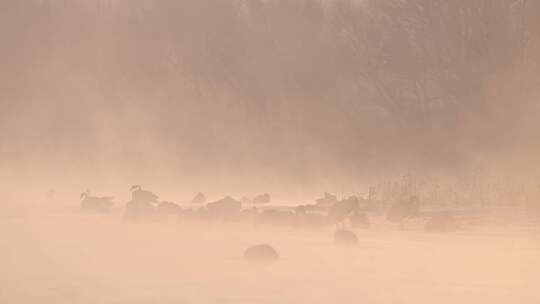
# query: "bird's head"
135,187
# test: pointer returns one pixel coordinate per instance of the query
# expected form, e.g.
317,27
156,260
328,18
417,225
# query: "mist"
301,93
376,100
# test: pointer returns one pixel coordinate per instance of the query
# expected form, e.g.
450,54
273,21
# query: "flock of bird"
326,211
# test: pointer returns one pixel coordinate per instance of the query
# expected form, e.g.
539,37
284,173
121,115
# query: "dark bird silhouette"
226,208
200,198
141,204
342,210
345,237
262,199
137,194
261,253
95,204
326,201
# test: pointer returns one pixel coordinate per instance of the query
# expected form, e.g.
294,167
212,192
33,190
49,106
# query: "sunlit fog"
269,151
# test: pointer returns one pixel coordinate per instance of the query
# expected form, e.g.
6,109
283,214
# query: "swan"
95,204
137,194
